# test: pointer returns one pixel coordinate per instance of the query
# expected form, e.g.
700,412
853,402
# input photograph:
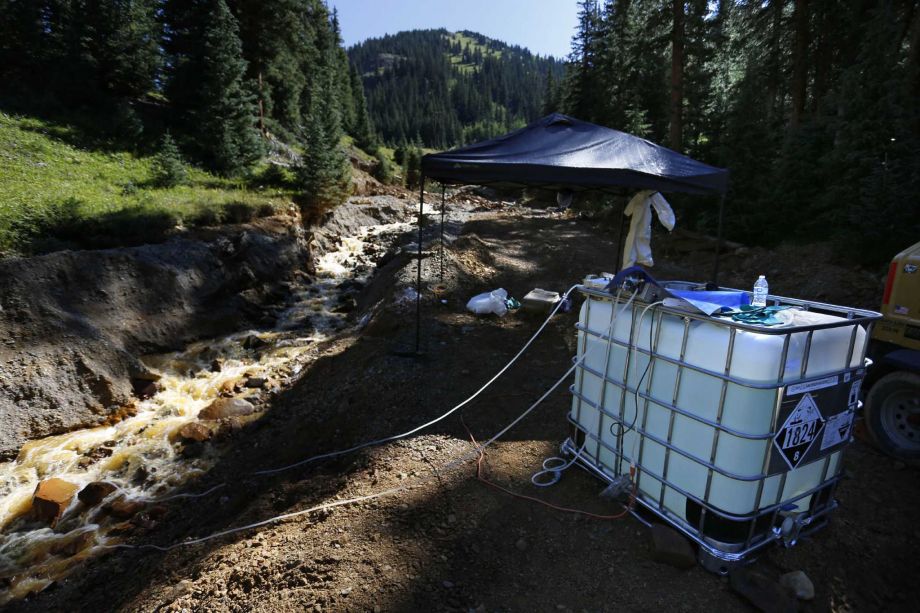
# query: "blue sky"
543,26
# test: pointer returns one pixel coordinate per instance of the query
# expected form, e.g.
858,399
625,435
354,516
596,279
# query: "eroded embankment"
72,323
203,394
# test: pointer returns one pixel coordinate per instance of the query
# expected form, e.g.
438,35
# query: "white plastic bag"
489,302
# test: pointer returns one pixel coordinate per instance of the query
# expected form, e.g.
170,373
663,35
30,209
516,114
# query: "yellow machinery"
893,402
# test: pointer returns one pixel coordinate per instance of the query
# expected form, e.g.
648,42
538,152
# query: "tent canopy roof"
560,152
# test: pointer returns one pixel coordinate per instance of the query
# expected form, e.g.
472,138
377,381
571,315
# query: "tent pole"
620,239
715,266
442,231
418,278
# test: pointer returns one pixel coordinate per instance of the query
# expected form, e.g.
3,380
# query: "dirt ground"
449,543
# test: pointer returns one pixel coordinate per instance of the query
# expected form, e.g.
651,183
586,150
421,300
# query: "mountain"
441,88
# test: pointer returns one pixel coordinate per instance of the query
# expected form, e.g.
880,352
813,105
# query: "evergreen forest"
814,106
441,89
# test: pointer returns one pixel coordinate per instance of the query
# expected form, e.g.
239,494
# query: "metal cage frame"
768,524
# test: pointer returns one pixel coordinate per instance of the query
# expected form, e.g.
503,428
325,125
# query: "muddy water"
140,455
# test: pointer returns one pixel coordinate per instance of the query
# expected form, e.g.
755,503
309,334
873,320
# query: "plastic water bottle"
761,289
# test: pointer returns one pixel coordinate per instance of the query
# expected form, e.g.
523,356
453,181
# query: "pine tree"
362,130
676,119
399,154
122,42
550,95
22,38
168,167
800,62
583,95
413,167
344,88
208,89
324,173
277,38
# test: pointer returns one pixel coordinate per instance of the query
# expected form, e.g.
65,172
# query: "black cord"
638,385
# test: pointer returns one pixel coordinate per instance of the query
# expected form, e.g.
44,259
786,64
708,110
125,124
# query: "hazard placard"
814,420
799,431
837,429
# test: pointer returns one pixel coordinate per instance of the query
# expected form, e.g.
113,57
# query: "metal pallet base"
711,558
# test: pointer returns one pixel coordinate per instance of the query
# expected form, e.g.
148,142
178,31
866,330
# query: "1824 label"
799,431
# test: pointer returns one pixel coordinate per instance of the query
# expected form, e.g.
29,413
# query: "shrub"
265,210
238,212
168,167
413,167
206,216
275,175
127,126
383,171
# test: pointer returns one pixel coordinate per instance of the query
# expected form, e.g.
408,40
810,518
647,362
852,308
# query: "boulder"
51,499
194,431
97,453
230,386
256,382
762,592
799,584
346,304
253,342
144,374
670,547
124,508
122,528
227,407
144,389
95,492
144,382
73,546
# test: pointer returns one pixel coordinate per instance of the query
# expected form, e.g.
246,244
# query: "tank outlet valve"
619,488
793,522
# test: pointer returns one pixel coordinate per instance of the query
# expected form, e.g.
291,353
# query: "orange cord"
482,455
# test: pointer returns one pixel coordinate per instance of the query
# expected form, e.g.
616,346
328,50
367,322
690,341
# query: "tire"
893,414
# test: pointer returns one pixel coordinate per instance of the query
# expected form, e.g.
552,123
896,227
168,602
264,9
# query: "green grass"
54,193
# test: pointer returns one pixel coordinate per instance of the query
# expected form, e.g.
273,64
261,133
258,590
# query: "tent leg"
620,240
715,265
418,278
442,232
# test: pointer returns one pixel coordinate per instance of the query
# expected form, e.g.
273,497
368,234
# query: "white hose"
554,466
395,437
633,342
338,503
473,454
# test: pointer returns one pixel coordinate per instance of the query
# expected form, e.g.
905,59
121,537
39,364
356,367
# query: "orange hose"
480,477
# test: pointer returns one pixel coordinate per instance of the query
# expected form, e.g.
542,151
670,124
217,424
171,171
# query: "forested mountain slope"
440,89
216,84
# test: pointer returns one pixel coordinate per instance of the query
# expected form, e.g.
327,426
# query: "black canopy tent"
559,152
